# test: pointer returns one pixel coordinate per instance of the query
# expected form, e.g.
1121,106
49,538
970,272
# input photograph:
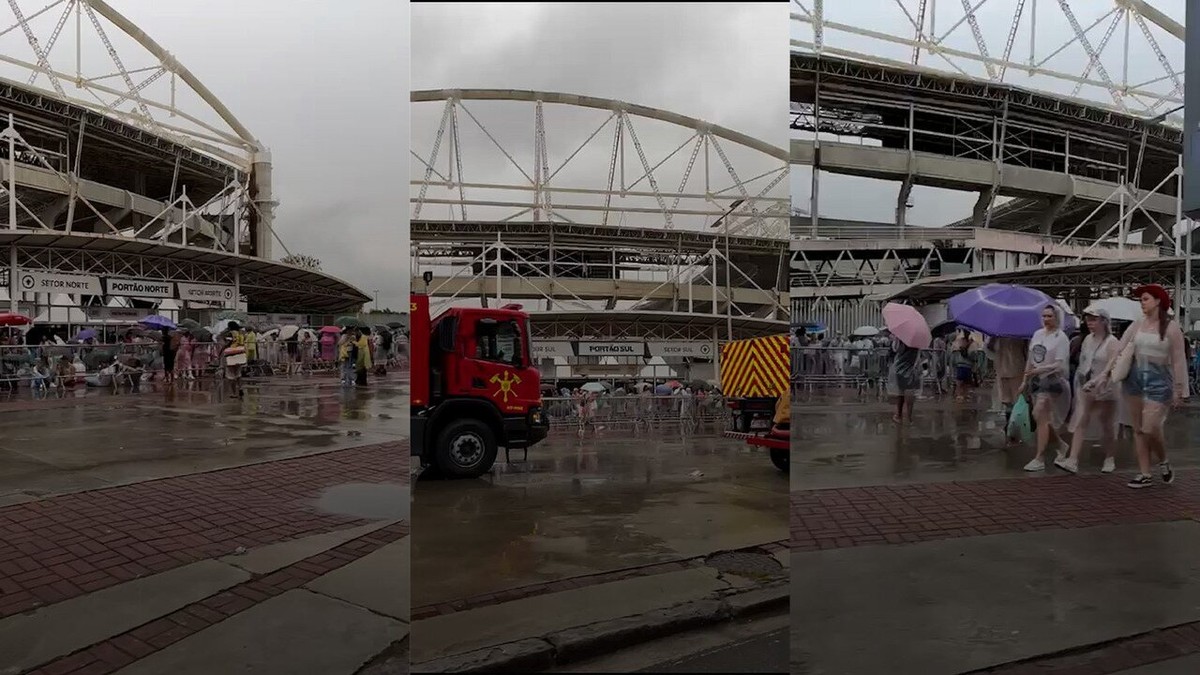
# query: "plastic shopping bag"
1020,424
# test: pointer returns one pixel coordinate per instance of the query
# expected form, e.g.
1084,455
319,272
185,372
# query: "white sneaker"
1035,465
1061,451
1068,464
1110,465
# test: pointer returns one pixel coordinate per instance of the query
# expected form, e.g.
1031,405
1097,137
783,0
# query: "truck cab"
475,388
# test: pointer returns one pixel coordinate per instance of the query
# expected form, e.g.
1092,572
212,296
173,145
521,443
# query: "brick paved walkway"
115,653
896,514
65,546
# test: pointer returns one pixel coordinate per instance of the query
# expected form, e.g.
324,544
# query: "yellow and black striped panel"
755,368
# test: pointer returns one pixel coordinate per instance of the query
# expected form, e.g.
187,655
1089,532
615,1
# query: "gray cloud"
324,85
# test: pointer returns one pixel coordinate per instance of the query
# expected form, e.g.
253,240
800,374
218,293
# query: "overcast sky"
715,62
323,86
842,196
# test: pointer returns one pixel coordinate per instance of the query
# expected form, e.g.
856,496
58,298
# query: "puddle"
370,501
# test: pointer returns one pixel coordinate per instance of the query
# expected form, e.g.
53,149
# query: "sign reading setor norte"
51,282
140,288
218,293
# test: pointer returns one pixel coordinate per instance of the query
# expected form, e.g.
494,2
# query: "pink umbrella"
907,324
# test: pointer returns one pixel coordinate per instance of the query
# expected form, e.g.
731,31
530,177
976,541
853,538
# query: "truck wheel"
780,458
466,448
743,422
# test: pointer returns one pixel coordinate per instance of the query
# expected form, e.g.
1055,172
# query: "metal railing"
866,370
117,364
706,412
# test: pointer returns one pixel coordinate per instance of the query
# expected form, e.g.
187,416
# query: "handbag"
231,351
1121,368
1019,421
236,359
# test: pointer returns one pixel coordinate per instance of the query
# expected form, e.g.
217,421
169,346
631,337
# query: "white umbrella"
594,386
865,331
288,331
1119,309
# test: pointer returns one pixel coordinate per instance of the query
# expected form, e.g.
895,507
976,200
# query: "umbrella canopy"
85,334
907,324
865,331
395,324
10,319
190,324
598,387
813,327
157,321
1001,310
662,390
203,335
330,330
349,322
1119,309
233,315
674,384
288,332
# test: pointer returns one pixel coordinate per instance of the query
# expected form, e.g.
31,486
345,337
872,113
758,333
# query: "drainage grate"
745,563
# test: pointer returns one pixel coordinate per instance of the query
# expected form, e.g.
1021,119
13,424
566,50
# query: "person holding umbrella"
910,334
1046,374
1152,364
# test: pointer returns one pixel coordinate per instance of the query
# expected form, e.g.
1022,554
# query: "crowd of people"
45,361
1074,386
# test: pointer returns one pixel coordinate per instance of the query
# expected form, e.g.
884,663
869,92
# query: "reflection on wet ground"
190,428
838,443
369,501
584,507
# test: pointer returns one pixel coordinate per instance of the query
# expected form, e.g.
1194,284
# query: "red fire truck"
475,388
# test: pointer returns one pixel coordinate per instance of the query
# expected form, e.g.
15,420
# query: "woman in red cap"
1152,350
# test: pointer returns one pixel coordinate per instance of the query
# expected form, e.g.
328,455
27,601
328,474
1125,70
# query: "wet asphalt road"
191,428
586,506
766,653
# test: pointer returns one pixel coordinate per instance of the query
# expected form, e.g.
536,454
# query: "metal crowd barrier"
644,412
866,370
34,367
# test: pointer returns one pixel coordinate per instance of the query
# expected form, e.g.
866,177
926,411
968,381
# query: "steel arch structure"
598,229
1061,116
110,143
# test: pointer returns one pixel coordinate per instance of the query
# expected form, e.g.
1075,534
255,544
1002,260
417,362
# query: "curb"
583,642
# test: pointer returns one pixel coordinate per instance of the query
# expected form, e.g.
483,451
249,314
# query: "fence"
127,363
866,370
641,412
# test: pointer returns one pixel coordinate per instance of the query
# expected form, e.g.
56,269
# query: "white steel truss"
55,47
615,169
1062,46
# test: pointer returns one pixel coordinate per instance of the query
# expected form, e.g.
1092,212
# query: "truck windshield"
498,342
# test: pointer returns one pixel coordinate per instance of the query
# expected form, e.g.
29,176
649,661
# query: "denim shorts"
1151,381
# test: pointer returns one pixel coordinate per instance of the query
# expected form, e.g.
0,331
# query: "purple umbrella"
85,334
1002,310
159,322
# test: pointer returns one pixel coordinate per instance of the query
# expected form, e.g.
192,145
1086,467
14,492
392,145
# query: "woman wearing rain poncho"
1096,406
904,380
1047,371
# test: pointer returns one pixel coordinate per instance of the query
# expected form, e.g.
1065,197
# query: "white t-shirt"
1050,353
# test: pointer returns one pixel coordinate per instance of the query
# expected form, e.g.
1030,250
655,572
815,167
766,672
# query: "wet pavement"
119,439
911,536
838,442
581,507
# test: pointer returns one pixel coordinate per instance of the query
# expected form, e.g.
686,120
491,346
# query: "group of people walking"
1133,381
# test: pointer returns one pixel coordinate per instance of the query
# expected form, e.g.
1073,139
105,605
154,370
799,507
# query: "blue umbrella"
85,334
159,322
1002,310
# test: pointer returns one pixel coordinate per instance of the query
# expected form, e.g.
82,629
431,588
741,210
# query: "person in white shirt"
1096,405
1046,379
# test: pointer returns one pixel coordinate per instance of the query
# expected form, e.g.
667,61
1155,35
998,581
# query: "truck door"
495,367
